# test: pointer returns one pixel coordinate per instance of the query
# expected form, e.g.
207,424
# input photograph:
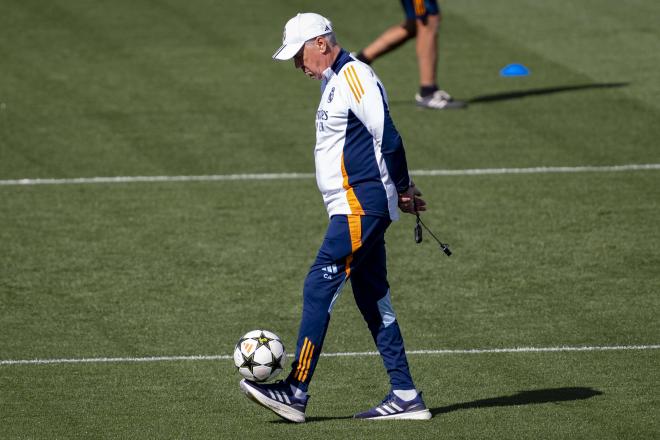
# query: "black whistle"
418,232
445,249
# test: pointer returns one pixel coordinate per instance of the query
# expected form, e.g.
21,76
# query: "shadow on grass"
313,419
551,395
517,94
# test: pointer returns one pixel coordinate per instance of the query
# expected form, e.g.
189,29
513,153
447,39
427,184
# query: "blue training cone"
514,70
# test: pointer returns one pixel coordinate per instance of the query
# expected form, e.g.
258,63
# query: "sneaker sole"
415,415
453,105
278,408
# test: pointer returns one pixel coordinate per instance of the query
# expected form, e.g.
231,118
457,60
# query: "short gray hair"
329,37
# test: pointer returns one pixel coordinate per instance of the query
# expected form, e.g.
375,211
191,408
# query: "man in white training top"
362,174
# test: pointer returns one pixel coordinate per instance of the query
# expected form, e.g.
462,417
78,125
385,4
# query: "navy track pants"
353,247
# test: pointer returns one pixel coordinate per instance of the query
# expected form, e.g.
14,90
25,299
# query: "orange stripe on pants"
301,361
355,231
308,363
420,8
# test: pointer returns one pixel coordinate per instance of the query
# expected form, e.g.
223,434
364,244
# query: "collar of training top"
343,57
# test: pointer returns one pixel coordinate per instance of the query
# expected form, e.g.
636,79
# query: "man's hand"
410,201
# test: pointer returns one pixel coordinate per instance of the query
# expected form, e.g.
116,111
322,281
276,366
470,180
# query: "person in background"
422,22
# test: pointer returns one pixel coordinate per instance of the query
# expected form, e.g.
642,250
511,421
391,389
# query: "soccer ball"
259,355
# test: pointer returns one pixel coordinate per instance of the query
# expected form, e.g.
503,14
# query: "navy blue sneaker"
278,398
393,408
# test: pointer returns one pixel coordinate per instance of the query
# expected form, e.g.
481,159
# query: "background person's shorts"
420,8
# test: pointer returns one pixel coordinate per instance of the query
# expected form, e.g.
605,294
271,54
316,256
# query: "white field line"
292,176
341,354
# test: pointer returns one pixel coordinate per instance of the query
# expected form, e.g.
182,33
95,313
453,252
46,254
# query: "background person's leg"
427,51
389,40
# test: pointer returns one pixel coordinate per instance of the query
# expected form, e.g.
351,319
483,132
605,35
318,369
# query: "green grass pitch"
172,88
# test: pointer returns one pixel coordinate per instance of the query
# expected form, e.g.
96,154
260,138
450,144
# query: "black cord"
418,235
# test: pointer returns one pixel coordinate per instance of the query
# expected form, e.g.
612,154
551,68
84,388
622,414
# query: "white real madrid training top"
360,160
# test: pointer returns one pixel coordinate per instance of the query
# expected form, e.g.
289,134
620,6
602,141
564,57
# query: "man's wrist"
405,190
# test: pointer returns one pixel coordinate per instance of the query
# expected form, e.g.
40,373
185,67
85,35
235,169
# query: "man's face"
309,59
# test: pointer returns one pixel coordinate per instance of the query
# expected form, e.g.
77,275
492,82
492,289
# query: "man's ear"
322,45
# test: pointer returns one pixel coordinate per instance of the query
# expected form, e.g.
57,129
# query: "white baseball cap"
298,30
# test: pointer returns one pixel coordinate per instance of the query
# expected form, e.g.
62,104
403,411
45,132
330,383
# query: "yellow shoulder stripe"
354,83
351,84
356,78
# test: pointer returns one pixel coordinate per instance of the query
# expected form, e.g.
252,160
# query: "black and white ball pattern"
259,355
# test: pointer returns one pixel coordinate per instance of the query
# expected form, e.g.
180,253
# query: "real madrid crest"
331,95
